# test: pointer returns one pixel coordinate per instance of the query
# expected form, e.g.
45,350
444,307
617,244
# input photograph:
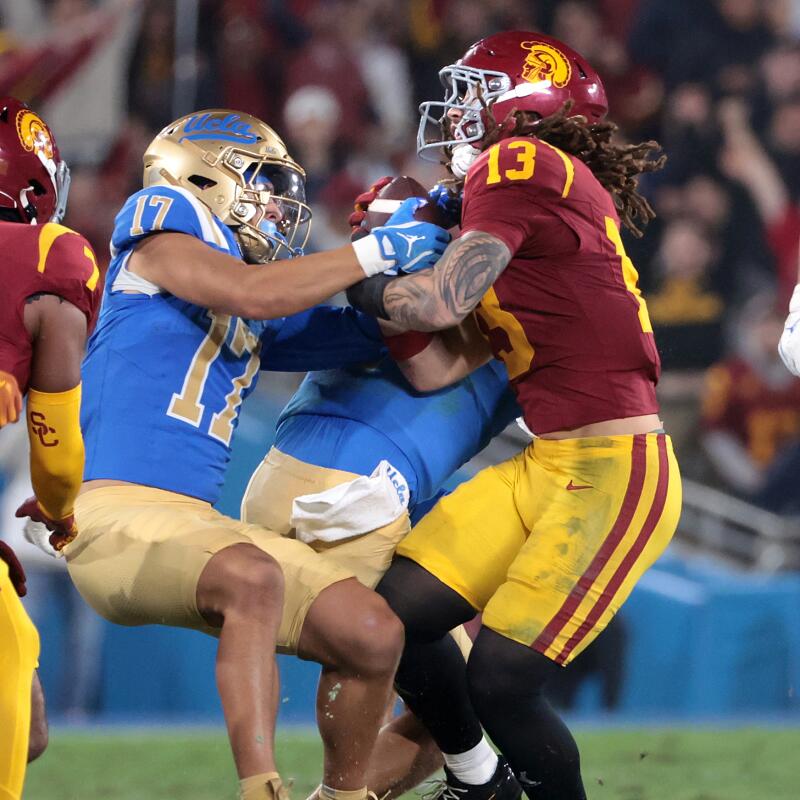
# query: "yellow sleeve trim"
47,236
568,165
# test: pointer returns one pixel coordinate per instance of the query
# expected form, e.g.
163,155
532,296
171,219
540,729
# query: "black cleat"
501,786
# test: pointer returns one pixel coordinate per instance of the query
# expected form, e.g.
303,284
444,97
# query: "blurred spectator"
751,407
689,133
634,93
745,159
311,118
718,46
326,60
686,306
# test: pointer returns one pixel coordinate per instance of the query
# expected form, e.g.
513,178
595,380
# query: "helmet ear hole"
201,181
37,187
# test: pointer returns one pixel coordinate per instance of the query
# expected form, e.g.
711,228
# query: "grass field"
619,764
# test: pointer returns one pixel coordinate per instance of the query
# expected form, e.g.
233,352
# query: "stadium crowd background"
716,82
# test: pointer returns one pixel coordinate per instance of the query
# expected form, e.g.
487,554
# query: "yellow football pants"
550,543
19,653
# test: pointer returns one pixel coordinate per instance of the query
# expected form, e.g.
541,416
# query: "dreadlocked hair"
616,166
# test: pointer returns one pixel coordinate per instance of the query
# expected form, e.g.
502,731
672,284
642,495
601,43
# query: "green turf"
671,764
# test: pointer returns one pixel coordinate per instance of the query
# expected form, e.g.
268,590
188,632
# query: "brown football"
390,198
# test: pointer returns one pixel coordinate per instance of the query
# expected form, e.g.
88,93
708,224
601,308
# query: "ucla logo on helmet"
34,134
545,63
209,126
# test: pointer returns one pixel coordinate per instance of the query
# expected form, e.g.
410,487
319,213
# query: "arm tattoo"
442,297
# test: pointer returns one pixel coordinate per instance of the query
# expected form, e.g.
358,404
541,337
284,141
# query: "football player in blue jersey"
358,457
177,348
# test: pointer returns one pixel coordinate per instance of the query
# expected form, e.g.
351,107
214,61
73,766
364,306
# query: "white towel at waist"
352,508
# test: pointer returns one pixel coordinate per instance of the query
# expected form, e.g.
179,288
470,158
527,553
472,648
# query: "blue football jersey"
350,419
164,379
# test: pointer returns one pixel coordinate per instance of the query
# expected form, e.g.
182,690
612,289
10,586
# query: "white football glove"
38,534
789,345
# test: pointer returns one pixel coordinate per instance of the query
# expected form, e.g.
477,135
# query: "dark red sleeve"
71,271
519,211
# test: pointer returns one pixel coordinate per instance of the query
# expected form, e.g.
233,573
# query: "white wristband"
369,256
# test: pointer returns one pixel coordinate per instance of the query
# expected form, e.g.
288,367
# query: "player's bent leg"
241,591
147,556
404,756
506,680
406,753
431,677
19,651
447,568
39,735
351,631
588,546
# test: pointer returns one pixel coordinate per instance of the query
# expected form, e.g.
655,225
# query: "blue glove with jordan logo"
403,244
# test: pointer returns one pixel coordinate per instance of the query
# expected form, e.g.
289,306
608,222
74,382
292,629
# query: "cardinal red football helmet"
519,70
34,180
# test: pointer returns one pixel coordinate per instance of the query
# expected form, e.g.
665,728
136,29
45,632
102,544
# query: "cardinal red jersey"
36,259
566,315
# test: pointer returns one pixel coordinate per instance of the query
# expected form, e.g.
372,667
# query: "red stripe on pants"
628,562
629,503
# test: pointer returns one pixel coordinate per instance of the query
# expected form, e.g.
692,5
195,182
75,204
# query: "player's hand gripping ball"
62,531
360,206
408,244
388,196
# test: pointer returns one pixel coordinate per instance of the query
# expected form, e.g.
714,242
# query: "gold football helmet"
239,168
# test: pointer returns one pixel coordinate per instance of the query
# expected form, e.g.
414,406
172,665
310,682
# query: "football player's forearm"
441,298
452,355
189,269
287,287
57,453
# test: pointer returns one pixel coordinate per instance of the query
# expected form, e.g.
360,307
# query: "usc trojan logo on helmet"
34,134
545,63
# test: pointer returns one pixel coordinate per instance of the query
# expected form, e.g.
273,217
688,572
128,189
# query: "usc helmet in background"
34,179
513,70
236,165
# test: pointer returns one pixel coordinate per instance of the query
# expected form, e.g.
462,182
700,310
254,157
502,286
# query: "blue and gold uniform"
165,380
342,422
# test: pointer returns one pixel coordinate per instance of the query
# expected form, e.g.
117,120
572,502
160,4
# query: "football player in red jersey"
549,544
48,302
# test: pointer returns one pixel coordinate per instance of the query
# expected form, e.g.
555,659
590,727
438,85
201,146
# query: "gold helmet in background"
236,166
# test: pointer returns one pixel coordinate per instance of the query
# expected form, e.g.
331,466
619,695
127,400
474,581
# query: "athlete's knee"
379,636
245,581
374,638
427,607
500,669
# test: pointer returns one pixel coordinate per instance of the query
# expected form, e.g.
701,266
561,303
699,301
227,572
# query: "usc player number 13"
548,544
